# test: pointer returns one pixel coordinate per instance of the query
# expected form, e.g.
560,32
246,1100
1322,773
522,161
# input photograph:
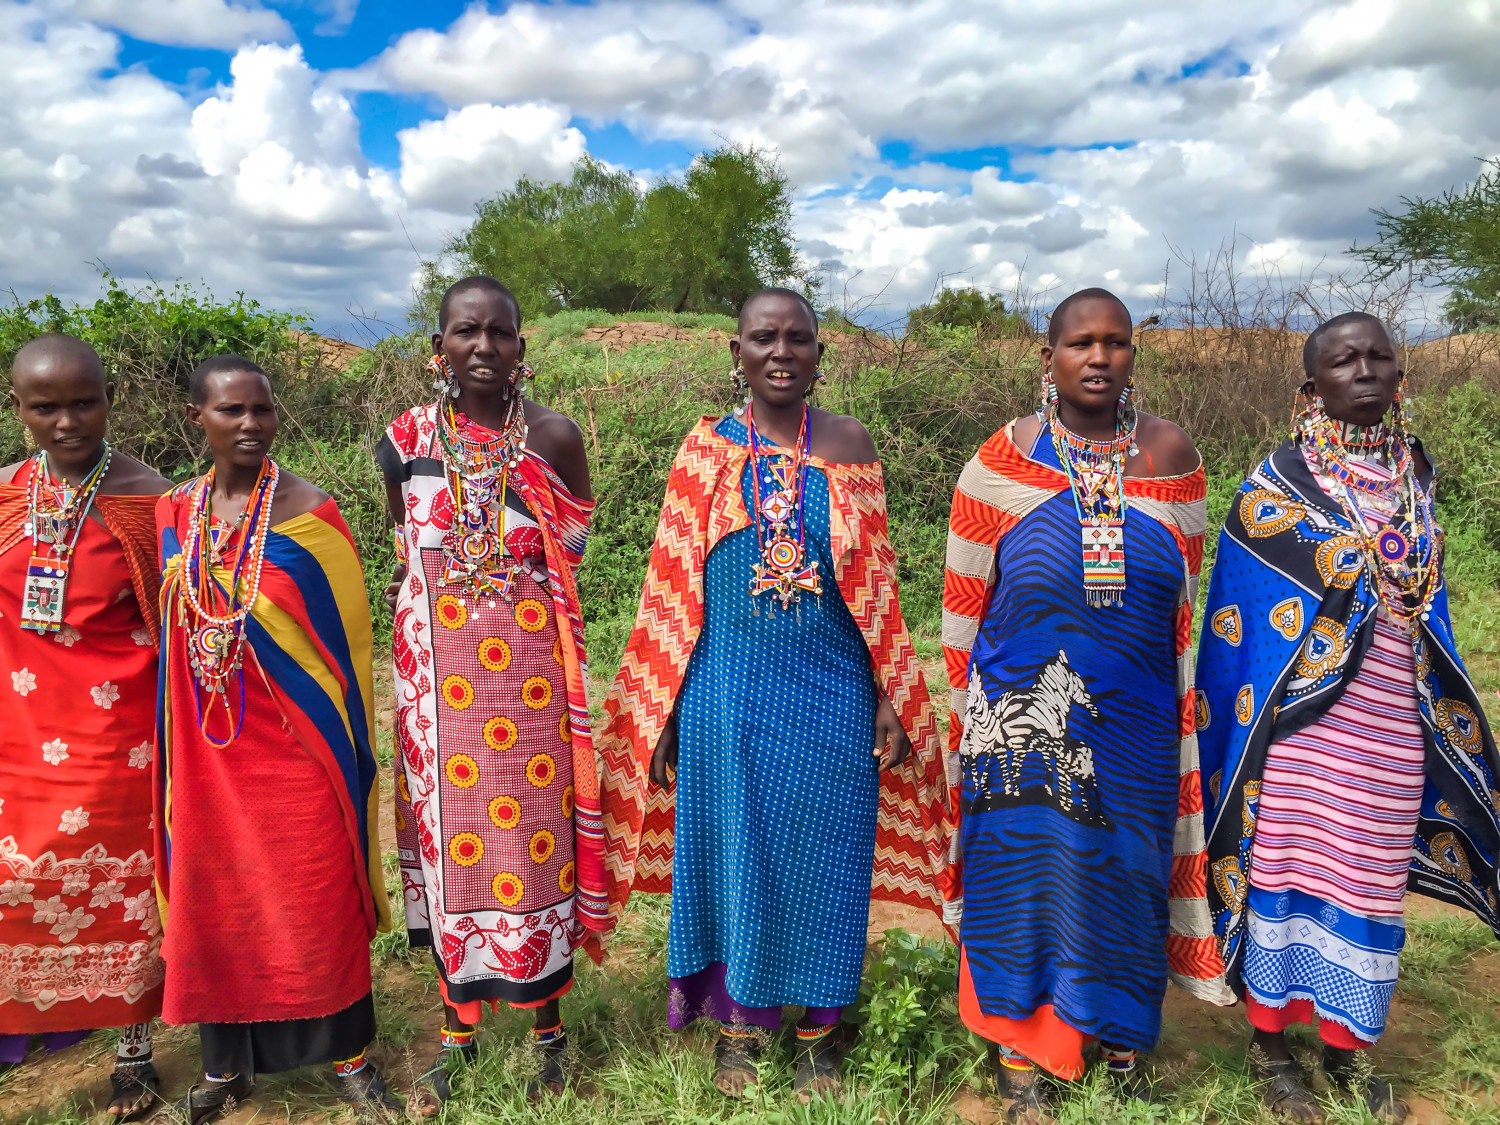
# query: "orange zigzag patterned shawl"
703,504
999,488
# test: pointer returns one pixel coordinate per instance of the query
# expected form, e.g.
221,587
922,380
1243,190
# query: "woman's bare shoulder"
296,497
843,440
1172,453
129,477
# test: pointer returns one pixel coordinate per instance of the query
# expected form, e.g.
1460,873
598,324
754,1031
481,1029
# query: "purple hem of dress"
13,1044
704,994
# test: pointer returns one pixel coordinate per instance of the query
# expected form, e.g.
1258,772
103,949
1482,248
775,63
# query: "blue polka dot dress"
777,788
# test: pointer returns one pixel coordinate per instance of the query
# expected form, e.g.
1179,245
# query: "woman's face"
482,340
779,349
1357,372
65,403
1094,355
237,416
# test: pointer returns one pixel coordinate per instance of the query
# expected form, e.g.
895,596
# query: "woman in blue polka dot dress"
783,722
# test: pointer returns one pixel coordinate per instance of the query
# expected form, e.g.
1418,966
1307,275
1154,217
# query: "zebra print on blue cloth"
1068,826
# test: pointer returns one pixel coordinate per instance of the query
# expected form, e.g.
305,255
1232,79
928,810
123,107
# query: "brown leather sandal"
736,1064
1350,1074
1286,1094
134,1087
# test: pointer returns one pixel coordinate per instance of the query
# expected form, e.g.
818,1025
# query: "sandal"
1030,1093
549,1080
1031,1102
1350,1073
820,1067
366,1090
435,1087
1286,1093
1133,1086
134,1087
736,1064
206,1101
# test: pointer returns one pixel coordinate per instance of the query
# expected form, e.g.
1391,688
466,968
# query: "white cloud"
261,187
469,154
186,23
1098,135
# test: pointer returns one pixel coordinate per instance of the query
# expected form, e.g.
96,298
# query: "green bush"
928,406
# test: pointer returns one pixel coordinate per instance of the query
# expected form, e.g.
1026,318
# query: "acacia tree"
702,243
1454,239
559,245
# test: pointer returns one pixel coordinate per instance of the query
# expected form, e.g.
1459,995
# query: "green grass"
913,1063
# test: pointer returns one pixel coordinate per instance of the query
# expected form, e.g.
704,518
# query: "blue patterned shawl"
1291,612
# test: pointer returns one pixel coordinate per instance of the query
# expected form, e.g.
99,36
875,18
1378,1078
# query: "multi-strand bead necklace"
1405,555
216,617
55,513
1096,477
780,488
477,472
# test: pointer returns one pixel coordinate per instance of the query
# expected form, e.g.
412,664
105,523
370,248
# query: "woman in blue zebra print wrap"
1075,723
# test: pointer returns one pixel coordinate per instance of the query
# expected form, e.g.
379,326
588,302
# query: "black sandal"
372,1099
1286,1093
1030,1093
434,1088
1031,1102
1350,1074
1133,1086
134,1087
550,1080
206,1101
736,1064
820,1067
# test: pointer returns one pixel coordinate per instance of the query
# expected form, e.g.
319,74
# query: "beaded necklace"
477,472
1405,556
1096,478
216,640
55,512
780,487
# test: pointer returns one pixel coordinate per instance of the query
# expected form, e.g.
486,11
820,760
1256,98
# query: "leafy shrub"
910,1033
985,313
928,401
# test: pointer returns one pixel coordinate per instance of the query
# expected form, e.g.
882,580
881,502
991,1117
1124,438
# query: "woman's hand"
398,576
665,756
892,746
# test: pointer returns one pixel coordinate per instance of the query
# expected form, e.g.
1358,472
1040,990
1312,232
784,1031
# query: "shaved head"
779,293
478,281
53,353
1060,314
1314,344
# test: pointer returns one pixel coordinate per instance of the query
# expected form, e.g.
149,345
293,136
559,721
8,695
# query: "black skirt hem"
272,1046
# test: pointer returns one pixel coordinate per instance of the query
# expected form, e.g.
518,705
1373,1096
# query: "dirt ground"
50,1080
1415,1035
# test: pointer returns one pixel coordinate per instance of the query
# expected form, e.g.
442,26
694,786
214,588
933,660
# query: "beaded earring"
521,375
1049,394
1125,419
821,377
737,379
444,382
1400,406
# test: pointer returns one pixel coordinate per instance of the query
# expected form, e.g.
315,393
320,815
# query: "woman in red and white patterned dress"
496,801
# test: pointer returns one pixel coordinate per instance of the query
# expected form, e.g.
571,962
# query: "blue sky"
314,152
